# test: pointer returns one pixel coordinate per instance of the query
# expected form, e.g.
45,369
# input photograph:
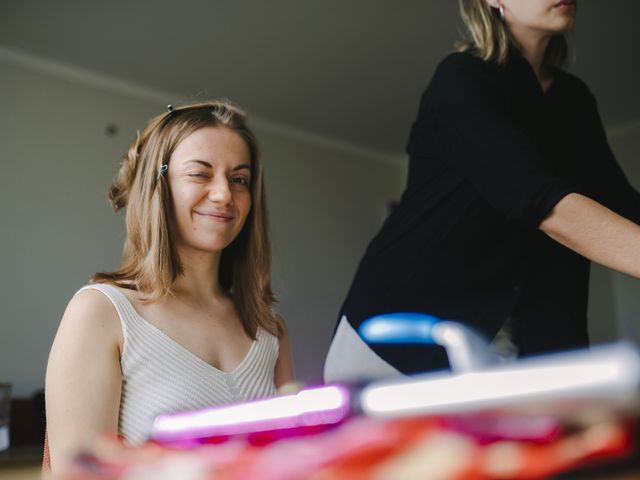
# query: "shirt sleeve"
473,132
604,179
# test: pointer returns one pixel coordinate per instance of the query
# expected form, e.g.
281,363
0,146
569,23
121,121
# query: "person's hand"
290,388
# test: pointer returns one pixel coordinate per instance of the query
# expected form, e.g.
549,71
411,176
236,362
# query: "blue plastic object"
395,328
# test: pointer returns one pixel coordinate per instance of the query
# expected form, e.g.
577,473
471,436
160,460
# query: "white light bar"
609,373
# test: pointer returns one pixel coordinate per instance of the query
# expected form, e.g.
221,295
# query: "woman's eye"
241,181
199,175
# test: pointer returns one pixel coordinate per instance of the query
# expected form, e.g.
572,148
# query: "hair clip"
170,108
162,170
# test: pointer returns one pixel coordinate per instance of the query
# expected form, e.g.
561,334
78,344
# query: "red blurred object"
365,448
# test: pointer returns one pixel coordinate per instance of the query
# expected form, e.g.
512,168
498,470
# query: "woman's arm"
84,380
595,232
284,372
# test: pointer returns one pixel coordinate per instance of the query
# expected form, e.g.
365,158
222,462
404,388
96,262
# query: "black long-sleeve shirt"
491,154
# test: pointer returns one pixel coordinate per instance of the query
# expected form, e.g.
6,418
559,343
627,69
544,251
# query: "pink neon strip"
310,407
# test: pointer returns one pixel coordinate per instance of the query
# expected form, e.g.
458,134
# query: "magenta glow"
310,407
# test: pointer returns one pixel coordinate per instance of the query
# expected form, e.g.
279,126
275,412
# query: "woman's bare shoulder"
90,313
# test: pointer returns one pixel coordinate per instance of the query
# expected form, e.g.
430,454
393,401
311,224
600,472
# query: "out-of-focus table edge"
627,468
21,456
21,463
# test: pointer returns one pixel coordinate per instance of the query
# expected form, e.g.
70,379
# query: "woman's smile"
221,217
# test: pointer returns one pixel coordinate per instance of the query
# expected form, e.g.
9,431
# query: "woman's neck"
199,279
532,46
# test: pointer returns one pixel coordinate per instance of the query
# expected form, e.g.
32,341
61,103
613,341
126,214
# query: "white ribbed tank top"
161,376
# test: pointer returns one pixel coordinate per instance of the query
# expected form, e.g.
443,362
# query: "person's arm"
84,379
595,232
284,371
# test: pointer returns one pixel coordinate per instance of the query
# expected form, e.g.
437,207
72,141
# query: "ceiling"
349,70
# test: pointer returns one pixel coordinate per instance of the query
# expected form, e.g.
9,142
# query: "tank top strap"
125,310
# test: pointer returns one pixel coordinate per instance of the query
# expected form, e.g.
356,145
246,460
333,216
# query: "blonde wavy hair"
150,261
488,38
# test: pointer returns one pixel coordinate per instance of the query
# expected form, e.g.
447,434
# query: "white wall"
625,142
56,228
325,207
614,305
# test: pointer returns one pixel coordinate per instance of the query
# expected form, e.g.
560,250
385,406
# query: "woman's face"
209,178
547,17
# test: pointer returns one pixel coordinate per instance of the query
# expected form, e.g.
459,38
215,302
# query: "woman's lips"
217,216
565,4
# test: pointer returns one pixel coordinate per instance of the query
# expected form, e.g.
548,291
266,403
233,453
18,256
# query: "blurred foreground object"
488,419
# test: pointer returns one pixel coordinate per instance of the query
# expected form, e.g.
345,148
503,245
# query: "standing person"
512,190
187,320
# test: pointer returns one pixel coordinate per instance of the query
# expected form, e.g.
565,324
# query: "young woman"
512,191
187,320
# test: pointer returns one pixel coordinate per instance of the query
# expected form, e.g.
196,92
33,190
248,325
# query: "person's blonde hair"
150,261
488,38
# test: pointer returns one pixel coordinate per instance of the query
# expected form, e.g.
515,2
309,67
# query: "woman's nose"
220,191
